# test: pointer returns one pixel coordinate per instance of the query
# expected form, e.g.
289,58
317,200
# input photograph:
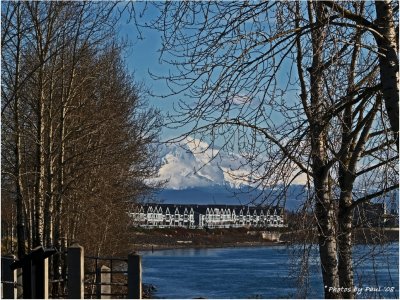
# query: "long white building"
206,216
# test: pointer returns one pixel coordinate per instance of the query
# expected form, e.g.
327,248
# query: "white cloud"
241,99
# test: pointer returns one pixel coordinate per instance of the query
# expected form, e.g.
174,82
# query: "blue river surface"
267,272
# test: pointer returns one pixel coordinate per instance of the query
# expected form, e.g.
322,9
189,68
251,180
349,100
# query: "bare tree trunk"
346,180
43,43
345,220
58,204
40,167
345,213
325,213
31,220
49,165
325,210
388,63
21,238
347,176
21,228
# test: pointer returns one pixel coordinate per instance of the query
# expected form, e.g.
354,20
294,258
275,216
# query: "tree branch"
274,140
348,14
372,196
383,163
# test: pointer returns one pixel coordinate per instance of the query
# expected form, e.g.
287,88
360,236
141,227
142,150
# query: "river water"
263,272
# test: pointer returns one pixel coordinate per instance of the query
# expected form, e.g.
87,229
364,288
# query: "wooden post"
8,290
20,290
75,272
105,279
134,276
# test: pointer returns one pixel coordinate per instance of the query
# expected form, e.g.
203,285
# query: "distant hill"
231,196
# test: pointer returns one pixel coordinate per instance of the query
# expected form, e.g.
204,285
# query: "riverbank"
178,238
360,236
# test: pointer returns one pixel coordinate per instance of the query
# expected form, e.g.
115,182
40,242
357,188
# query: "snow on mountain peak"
193,163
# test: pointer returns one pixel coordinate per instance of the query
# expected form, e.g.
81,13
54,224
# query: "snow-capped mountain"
192,163
199,174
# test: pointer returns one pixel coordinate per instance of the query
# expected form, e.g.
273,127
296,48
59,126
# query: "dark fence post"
40,275
75,260
35,277
134,276
98,283
8,289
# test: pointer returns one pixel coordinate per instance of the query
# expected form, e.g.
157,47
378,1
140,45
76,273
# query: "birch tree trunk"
21,229
49,164
345,219
324,208
45,48
40,168
346,180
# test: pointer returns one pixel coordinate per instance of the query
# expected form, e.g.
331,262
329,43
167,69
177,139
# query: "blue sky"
142,57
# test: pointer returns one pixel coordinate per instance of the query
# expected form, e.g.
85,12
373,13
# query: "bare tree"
14,29
78,139
295,92
118,135
383,29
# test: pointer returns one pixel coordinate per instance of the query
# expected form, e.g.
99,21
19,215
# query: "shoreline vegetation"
182,238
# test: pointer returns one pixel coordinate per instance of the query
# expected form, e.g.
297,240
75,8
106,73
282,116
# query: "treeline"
77,136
